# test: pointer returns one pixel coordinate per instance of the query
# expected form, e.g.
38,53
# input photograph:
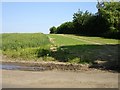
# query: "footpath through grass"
66,39
82,49
63,48
94,40
62,40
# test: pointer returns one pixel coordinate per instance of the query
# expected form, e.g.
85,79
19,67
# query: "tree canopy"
105,22
53,30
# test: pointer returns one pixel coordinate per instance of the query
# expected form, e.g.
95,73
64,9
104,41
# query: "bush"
43,53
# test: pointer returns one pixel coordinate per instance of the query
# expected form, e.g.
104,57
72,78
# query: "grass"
24,45
67,48
93,40
81,49
17,41
61,40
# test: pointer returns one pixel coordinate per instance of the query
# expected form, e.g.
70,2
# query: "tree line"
105,23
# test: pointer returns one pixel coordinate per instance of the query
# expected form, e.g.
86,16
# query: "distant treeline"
105,23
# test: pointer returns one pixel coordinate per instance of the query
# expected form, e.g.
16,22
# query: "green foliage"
79,20
105,23
17,41
96,26
75,60
82,49
69,48
61,40
25,45
53,30
43,52
110,11
67,28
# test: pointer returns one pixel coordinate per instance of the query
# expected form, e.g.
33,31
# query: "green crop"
25,45
17,41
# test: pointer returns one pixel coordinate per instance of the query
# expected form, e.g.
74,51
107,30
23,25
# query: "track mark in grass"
60,40
82,39
98,40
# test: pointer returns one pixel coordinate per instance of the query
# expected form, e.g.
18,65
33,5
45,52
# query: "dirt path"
59,79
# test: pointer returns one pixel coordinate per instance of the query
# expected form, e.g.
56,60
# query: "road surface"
59,79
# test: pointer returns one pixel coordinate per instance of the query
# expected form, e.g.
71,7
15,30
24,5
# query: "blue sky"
39,16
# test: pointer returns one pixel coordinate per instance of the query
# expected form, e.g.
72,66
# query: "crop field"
25,40
61,47
25,45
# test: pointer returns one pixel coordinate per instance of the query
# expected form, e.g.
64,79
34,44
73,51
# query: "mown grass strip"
95,40
61,40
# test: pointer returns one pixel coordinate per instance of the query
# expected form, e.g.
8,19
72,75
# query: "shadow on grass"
98,56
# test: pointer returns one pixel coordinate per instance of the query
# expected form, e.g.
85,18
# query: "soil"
82,77
58,79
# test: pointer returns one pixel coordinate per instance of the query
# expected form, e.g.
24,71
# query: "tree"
66,28
53,30
96,26
106,22
110,11
79,20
